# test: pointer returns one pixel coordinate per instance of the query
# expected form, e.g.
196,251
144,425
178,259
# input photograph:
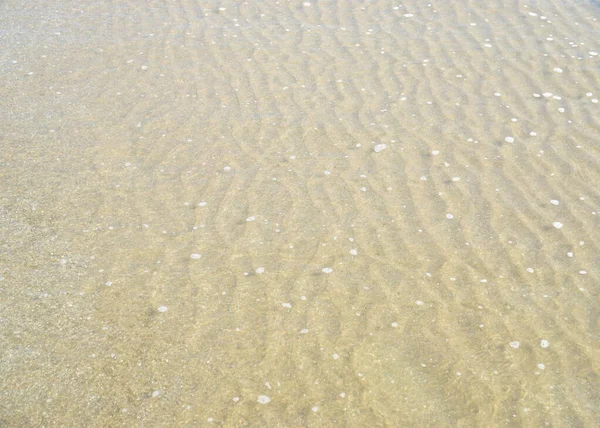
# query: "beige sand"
275,213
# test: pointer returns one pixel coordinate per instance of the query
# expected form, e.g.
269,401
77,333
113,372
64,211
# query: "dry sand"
282,213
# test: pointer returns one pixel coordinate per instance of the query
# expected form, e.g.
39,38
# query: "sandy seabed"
286,213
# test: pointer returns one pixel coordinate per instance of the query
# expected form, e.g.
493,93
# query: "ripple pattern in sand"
372,214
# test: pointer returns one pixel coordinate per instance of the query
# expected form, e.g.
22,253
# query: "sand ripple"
324,213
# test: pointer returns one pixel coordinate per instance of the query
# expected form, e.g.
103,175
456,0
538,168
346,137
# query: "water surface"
335,213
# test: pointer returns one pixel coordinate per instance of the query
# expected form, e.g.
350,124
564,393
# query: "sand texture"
334,213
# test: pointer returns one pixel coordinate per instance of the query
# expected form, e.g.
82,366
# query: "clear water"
342,213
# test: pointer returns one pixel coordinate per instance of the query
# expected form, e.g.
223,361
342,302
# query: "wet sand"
284,214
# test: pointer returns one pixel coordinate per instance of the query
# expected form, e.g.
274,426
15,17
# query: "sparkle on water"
300,213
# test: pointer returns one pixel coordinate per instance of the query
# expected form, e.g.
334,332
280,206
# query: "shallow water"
335,213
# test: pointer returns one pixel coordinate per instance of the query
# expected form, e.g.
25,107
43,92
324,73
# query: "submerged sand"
325,213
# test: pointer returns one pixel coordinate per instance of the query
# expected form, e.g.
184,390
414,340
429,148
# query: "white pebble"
435,152
557,224
286,305
327,270
251,218
449,216
544,343
304,331
419,303
554,202
394,324
509,139
380,147
353,252
260,270
162,309
336,356
541,366
195,256
514,344
263,399
558,70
